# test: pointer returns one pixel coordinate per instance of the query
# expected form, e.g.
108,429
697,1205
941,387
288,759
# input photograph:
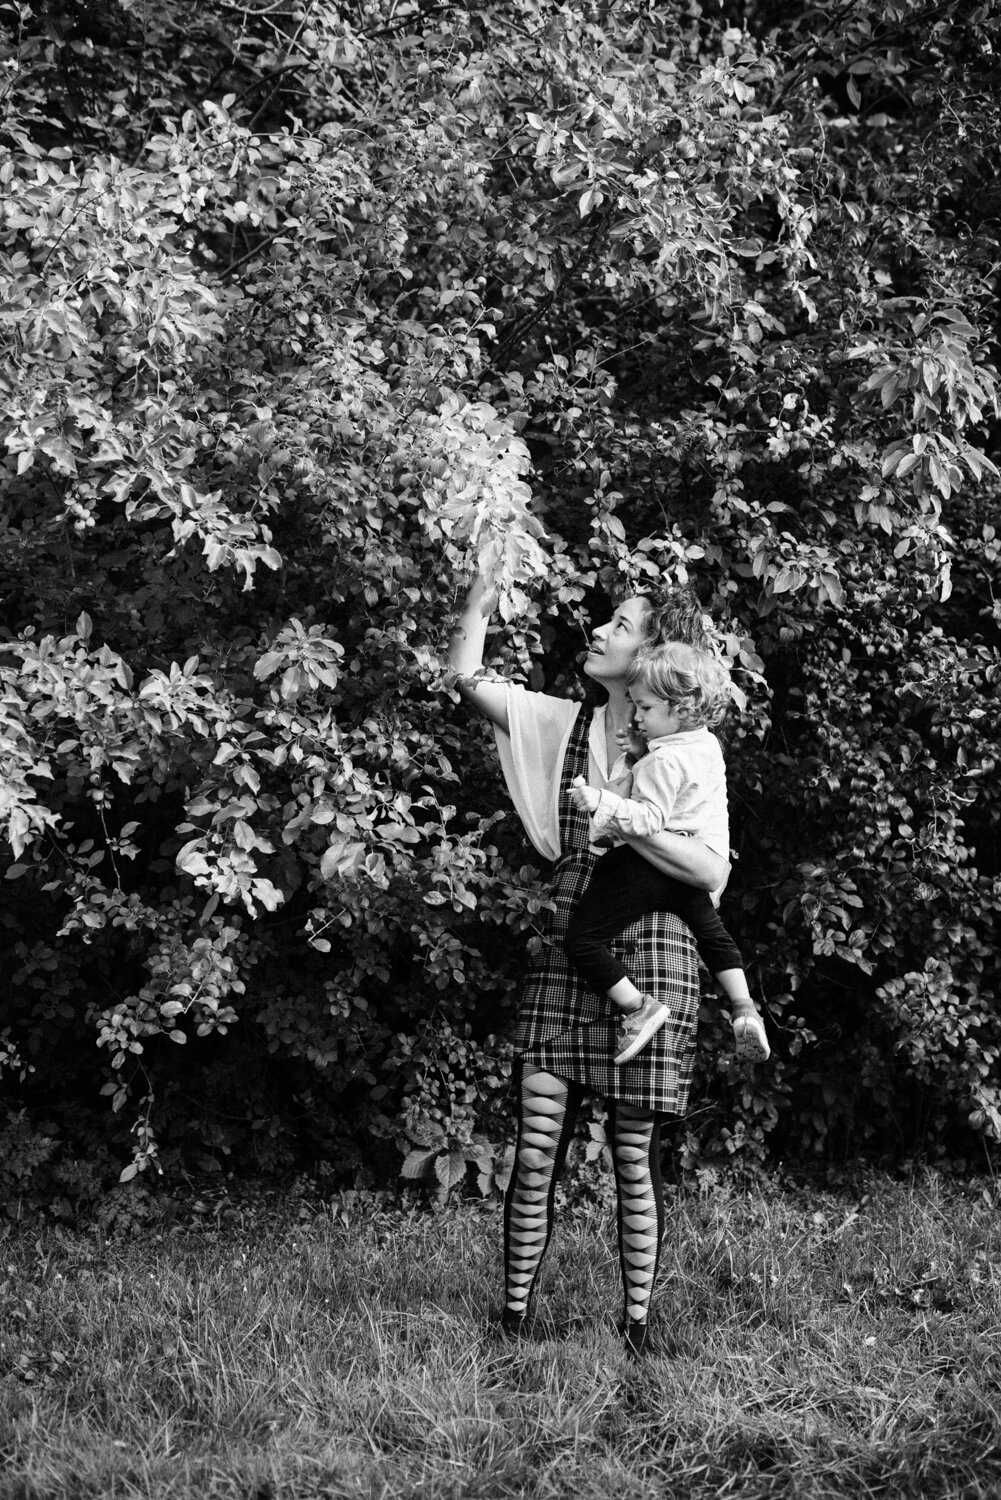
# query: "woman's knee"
534,1159
536,1082
633,1131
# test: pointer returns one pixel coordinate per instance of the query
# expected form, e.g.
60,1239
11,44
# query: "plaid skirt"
568,1028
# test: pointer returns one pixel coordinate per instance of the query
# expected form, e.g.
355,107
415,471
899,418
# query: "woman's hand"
585,797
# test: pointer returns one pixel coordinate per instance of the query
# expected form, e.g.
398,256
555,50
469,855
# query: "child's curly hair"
693,681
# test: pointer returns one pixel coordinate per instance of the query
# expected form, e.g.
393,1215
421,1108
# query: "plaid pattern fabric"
565,1026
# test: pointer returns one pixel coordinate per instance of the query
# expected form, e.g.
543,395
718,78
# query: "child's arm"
684,856
585,797
627,816
588,799
640,815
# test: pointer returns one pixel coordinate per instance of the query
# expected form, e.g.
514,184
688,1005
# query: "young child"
678,783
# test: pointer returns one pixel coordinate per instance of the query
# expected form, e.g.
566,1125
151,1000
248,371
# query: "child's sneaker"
637,1027
749,1037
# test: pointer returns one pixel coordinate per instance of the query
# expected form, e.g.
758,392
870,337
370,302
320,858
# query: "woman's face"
614,646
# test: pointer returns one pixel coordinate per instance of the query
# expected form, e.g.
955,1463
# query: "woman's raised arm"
684,858
465,655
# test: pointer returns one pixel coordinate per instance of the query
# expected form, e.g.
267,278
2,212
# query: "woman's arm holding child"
683,858
676,854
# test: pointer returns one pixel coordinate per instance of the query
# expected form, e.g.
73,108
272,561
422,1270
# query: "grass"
808,1346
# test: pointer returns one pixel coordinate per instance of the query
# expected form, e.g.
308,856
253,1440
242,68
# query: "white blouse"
679,784
532,754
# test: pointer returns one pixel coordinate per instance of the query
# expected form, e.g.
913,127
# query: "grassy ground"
809,1345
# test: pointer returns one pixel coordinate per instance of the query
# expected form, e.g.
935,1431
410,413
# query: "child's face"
654,716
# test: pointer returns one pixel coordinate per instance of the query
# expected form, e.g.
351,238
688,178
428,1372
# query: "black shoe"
513,1323
635,1335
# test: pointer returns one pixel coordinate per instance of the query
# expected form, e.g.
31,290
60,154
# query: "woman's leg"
547,1108
635,1140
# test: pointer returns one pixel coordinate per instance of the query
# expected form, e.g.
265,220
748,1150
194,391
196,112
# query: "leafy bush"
307,313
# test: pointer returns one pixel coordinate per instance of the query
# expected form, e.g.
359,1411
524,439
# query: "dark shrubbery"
306,314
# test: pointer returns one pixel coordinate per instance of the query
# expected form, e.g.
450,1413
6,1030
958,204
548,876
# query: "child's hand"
585,797
631,742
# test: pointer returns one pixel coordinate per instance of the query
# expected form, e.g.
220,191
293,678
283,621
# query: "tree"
309,309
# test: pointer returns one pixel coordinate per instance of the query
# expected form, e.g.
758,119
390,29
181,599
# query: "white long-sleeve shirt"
532,752
680,784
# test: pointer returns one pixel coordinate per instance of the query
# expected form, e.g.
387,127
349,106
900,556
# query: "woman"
564,1039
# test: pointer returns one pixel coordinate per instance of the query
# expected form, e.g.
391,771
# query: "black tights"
547,1110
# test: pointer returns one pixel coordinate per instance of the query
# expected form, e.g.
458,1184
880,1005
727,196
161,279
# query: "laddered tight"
547,1110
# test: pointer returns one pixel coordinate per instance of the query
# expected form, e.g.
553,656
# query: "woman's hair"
693,681
675,614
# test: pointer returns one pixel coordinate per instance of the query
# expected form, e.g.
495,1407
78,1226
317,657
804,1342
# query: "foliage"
310,309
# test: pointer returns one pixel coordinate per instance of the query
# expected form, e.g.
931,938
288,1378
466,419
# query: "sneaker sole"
749,1045
641,1038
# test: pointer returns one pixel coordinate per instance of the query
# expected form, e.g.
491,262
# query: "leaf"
191,860
400,833
450,1169
267,893
243,835
268,664
417,1164
343,856
831,585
